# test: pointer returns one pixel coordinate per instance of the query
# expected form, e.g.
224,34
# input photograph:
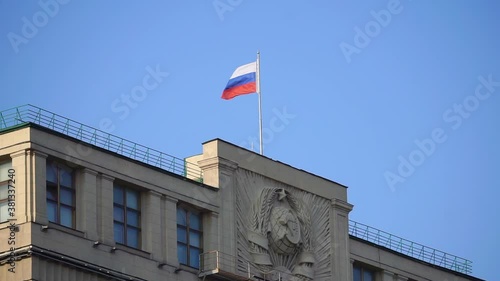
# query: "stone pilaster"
86,203
210,231
22,186
387,276
339,221
151,222
105,209
31,198
169,233
219,172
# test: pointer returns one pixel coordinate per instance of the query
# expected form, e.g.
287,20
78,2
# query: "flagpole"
260,103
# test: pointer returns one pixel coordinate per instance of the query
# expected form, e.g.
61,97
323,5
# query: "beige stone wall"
95,172
394,267
242,178
23,271
234,181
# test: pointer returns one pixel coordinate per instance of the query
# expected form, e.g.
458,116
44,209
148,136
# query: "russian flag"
243,81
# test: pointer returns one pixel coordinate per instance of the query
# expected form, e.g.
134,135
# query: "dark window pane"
4,170
67,197
118,214
66,216
4,214
195,221
118,195
194,257
133,218
195,239
51,174
66,178
52,211
367,275
4,191
181,216
132,237
133,199
119,233
51,192
182,253
181,235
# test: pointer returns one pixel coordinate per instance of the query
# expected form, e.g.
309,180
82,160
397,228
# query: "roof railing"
21,115
409,248
31,114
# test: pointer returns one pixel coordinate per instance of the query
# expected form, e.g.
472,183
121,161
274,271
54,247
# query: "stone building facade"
79,204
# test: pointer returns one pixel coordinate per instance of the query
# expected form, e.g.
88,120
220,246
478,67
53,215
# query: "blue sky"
367,89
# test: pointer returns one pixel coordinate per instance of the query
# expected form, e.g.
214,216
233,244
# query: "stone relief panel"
283,232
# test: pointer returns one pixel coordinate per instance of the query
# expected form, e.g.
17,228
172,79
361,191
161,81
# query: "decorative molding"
23,153
106,177
171,199
154,193
388,275
89,171
217,162
398,277
341,205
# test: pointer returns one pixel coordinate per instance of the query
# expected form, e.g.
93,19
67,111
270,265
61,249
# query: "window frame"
59,186
363,269
125,209
188,210
6,184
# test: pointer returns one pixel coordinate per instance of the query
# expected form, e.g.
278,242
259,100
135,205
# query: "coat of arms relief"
279,235
282,231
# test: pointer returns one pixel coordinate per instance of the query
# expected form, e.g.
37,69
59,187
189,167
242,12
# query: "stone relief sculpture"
279,234
281,230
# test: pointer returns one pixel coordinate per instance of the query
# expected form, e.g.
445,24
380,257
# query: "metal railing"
21,115
409,248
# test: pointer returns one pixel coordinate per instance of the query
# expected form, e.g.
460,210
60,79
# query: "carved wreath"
267,212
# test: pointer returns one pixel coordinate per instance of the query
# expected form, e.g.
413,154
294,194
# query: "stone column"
22,186
170,231
86,203
339,223
210,239
219,172
151,222
105,209
31,193
210,231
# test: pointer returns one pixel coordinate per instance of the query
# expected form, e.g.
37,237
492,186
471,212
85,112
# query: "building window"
4,190
127,216
361,273
189,237
60,194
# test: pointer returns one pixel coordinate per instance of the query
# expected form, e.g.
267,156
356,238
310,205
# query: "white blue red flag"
242,82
